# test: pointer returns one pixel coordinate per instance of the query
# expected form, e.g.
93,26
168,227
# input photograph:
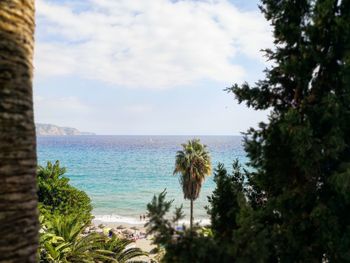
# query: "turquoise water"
122,173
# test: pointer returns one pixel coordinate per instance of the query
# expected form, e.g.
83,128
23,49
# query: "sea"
121,174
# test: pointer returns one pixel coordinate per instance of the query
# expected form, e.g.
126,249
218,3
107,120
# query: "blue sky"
147,66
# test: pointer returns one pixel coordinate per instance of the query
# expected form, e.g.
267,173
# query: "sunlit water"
122,173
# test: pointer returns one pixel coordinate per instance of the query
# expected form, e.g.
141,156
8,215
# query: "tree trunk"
18,197
191,216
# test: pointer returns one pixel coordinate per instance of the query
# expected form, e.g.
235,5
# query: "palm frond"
193,163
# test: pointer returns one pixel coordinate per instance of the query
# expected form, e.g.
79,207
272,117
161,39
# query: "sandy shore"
135,231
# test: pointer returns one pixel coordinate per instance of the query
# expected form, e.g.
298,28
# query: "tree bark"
191,219
18,194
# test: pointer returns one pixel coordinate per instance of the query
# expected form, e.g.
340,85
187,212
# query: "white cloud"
54,110
148,43
138,109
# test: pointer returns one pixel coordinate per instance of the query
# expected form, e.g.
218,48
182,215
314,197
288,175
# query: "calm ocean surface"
122,173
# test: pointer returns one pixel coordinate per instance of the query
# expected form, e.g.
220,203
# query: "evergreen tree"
226,202
180,246
299,187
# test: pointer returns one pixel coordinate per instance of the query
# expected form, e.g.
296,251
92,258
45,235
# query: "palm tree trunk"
191,219
18,198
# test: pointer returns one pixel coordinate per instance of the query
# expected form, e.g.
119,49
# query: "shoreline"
134,232
133,229
116,220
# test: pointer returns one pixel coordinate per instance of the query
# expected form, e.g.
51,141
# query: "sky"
147,67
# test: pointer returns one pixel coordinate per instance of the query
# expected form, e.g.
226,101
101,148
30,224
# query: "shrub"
57,196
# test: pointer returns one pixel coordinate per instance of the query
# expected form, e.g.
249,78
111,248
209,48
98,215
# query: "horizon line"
233,135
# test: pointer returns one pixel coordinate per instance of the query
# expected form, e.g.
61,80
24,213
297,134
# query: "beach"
135,232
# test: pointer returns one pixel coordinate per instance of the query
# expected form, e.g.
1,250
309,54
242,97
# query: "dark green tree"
299,184
186,246
226,202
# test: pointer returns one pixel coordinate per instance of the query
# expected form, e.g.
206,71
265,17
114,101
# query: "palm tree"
120,250
62,240
18,200
193,164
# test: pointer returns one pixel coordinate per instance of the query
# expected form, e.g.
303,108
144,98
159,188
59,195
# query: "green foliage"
62,240
299,183
196,245
294,203
65,214
193,163
158,225
226,202
120,252
57,196
193,247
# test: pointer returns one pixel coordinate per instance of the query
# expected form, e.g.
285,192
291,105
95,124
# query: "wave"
117,219
136,221
201,222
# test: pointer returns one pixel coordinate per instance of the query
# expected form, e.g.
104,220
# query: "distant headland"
50,129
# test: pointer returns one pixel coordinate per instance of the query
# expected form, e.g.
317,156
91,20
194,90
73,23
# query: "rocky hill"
50,129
